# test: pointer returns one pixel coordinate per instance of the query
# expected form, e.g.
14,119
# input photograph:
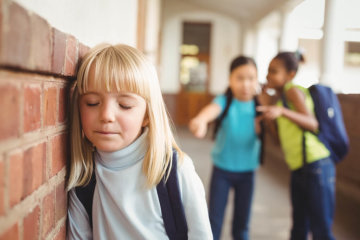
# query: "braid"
229,98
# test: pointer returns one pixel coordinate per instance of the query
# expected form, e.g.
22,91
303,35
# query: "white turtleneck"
123,208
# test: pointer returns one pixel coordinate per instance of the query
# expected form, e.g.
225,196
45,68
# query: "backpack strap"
218,121
86,195
172,208
171,205
262,131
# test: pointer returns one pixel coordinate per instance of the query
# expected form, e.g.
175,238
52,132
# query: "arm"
194,201
78,220
198,125
271,128
301,116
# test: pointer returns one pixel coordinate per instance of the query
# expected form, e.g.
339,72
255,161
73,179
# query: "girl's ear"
291,75
145,121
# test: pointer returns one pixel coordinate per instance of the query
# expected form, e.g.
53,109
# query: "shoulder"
294,92
186,171
189,181
220,100
185,164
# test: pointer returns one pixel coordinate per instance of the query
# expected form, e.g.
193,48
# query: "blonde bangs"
115,70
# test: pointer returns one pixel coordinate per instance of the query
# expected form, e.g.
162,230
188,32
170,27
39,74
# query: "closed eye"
92,104
126,107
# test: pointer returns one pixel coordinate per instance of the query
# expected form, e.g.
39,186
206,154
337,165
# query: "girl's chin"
244,98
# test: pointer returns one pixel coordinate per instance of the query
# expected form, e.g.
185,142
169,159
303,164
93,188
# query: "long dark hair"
237,62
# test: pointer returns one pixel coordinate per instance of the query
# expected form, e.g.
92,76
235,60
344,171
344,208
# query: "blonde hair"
122,68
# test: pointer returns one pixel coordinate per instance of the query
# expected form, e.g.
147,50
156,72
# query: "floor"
271,207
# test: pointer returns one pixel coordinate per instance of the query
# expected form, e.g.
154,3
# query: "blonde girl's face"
111,120
243,82
277,75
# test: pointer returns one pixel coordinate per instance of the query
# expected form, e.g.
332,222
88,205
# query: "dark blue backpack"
169,197
332,132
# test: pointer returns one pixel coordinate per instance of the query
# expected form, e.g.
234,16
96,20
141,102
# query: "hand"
258,119
270,112
267,99
198,127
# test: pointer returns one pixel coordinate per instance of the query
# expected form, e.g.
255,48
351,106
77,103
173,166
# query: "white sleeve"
78,220
194,201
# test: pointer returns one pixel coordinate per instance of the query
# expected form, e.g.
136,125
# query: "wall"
267,44
37,67
348,170
152,30
92,22
223,49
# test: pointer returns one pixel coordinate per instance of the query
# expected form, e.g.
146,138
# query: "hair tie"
299,53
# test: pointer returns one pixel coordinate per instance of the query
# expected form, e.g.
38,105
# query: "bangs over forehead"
116,68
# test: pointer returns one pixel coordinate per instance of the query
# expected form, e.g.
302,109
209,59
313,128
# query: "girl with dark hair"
236,152
312,169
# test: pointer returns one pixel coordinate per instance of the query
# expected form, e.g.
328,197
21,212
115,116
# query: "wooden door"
194,71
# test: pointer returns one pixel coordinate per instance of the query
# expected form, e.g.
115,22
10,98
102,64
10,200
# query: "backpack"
332,132
168,192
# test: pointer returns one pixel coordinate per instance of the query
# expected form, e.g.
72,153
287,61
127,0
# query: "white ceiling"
244,10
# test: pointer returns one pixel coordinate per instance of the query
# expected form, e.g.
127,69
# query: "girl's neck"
127,156
280,90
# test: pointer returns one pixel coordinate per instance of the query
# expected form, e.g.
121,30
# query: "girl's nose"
107,113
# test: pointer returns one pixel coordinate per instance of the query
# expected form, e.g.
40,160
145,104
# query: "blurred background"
191,43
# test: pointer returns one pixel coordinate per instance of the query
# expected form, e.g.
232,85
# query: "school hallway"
271,210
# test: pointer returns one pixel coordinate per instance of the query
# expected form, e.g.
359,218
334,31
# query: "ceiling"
249,11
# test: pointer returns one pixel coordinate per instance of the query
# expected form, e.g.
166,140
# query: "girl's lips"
104,132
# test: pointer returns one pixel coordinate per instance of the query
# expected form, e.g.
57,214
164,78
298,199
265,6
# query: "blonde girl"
121,138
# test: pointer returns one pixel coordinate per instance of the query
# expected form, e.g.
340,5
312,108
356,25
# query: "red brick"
59,153
2,181
32,224
10,110
60,202
16,37
41,45
48,214
50,101
61,235
15,177
63,101
34,167
1,23
59,48
11,234
82,50
32,111
71,56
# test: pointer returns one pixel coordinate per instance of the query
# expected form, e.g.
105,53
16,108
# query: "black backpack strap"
86,195
218,121
262,132
172,208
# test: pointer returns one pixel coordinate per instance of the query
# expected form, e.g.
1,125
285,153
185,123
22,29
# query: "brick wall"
37,67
